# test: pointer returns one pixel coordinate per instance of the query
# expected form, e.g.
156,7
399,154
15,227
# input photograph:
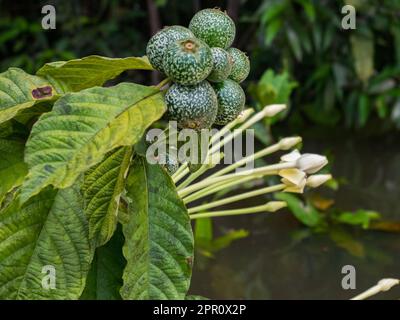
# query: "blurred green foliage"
345,76
300,53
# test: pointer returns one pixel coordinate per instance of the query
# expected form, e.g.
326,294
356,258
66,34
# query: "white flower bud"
273,109
290,142
316,180
387,284
291,156
273,206
311,163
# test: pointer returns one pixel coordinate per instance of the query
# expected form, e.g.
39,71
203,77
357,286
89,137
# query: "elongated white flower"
291,156
273,206
273,109
288,143
308,162
316,180
311,163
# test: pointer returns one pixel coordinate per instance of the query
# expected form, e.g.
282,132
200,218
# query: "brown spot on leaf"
42,92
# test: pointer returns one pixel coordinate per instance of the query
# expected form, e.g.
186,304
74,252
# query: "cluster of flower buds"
302,172
296,171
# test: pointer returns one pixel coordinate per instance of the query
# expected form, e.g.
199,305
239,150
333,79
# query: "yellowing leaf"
82,128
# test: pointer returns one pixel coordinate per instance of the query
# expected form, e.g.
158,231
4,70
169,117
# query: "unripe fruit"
222,65
231,100
157,45
214,27
241,65
193,107
188,61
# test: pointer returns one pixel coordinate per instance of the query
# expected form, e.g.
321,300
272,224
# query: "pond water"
282,259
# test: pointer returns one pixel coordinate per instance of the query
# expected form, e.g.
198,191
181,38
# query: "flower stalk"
271,206
236,198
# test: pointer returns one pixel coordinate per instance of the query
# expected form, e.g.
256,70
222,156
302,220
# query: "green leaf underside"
49,230
103,186
82,128
158,237
90,71
105,276
12,166
18,91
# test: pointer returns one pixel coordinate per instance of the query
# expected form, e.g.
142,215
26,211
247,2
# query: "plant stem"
283,144
184,172
181,168
246,113
209,163
263,171
259,154
163,83
239,197
257,117
268,207
383,285
215,188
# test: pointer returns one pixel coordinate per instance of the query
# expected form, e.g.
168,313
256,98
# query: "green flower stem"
209,164
237,198
268,207
259,154
257,117
263,171
185,170
217,187
178,175
243,117
181,168
281,145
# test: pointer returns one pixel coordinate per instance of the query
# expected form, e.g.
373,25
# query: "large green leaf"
103,186
50,230
90,71
158,237
12,166
82,128
105,276
19,91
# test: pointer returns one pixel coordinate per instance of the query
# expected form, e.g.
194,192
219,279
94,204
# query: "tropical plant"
84,214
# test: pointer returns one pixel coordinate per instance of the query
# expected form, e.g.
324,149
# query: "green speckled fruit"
231,100
241,65
157,45
214,27
222,65
193,107
188,61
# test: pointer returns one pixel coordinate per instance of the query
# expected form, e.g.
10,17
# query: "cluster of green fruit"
206,72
